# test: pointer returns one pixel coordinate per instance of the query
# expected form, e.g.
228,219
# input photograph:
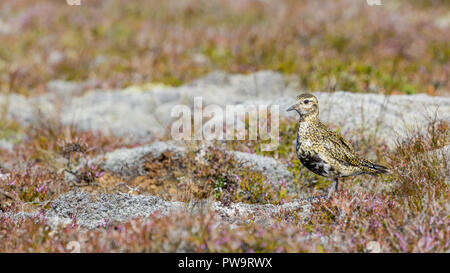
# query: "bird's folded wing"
340,149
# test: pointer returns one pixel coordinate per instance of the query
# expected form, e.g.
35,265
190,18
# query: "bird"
323,151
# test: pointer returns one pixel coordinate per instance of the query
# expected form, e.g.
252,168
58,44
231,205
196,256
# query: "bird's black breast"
315,164
312,161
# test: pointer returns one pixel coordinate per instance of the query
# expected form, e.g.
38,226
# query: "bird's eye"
306,101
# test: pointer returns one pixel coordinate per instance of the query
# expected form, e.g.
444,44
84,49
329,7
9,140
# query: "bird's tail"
375,168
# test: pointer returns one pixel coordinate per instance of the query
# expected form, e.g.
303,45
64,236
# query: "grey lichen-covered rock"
130,162
93,211
17,216
268,166
241,213
120,114
141,115
26,110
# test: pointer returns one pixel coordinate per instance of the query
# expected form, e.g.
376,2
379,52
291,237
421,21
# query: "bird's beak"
291,108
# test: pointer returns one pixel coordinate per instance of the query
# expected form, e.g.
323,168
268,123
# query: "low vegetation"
327,45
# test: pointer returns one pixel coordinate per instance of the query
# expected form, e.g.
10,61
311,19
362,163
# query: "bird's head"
307,105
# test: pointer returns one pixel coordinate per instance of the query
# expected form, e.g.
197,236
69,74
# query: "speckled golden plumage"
324,151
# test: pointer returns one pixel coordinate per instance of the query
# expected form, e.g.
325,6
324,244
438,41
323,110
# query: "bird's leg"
330,191
334,188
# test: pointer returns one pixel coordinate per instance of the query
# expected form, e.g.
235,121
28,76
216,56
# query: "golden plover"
323,151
